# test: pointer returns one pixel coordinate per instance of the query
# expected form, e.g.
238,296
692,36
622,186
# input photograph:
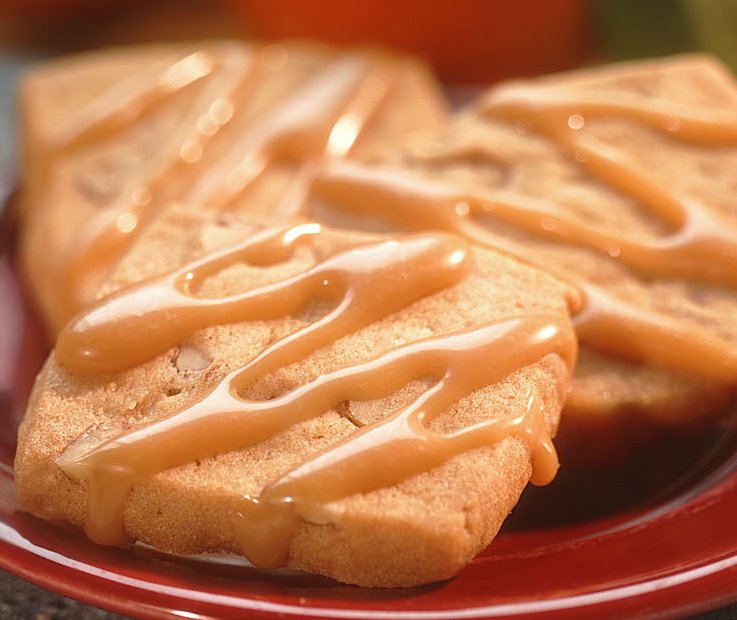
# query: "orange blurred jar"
468,41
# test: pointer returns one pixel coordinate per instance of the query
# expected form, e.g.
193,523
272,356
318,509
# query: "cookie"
109,137
366,407
620,180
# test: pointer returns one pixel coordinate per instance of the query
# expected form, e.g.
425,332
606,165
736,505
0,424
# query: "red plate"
597,543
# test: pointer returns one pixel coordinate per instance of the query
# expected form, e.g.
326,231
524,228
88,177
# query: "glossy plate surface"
656,538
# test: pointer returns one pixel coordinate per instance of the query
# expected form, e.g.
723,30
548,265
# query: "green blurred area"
641,28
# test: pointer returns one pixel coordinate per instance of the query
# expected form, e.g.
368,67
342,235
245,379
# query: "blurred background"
468,42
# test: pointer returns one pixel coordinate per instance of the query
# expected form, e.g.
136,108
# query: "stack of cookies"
307,316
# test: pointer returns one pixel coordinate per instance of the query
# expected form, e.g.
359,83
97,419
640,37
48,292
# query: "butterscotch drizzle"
365,284
159,313
129,99
400,446
322,119
700,246
701,125
111,231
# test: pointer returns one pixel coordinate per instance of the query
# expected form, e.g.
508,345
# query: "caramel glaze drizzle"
129,99
700,248
366,284
109,233
323,118
384,453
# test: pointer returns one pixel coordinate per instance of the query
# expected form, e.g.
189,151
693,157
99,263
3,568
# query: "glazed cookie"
362,406
109,137
621,180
